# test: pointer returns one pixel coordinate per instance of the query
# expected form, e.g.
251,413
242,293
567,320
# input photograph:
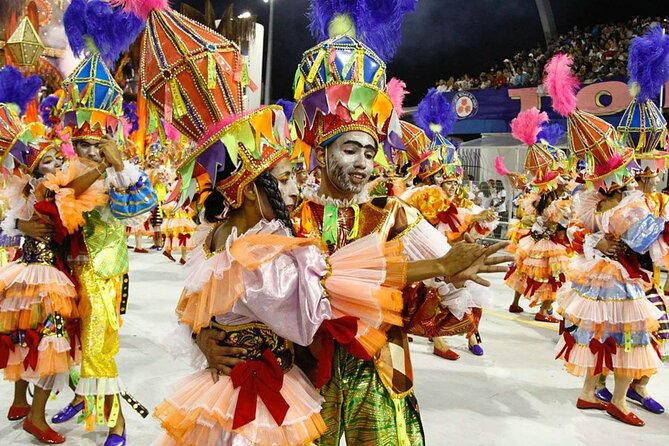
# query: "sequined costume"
383,386
99,254
100,267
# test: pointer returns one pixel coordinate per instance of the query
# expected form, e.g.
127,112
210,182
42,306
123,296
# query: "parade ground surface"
516,394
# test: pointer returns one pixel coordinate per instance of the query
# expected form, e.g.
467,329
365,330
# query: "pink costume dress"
39,319
267,290
608,319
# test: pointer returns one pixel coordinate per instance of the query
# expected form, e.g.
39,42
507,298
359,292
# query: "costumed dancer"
542,256
91,112
343,121
38,300
159,180
178,228
283,294
440,168
608,319
644,128
16,92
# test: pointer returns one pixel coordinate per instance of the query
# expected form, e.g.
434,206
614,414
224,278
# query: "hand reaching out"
487,262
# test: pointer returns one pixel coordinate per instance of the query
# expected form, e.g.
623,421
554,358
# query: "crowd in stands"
599,52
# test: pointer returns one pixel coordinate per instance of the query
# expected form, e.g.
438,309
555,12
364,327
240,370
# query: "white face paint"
89,149
350,161
283,172
450,187
49,162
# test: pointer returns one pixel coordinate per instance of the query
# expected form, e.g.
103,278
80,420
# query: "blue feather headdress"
377,23
94,25
17,89
551,133
642,125
648,63
46,108
435,114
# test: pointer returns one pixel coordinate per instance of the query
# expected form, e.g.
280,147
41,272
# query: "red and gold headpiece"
247,146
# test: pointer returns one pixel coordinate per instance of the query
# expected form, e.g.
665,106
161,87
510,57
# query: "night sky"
443,37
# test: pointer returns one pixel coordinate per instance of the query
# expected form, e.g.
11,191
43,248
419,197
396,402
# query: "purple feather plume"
648,62
130,115
288,107
435,113
112,30
378,23
551,133
46,107
17,89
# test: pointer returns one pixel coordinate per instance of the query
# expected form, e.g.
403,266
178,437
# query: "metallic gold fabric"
106,244
98,306
36,251
359,406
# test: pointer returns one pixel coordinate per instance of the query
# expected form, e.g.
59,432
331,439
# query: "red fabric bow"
183,238
604,351
49,209
631,264
258,378
512,269
73,330
342,330
569,343
450,217
6,346
32,342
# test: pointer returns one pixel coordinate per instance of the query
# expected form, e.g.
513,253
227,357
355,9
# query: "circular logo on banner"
466,104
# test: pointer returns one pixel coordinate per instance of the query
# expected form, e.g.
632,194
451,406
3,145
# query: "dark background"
443,37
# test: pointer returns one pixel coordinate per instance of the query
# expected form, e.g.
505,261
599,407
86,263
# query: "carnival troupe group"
320,233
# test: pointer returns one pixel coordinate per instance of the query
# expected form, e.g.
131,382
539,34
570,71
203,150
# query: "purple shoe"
648,403
604,395
67,413
115,440
476,349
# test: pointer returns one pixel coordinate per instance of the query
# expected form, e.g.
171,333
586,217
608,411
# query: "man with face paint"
342,127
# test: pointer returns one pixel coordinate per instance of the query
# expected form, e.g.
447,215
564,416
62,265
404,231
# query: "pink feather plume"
141,8
526,126
500,167
561,83
397,90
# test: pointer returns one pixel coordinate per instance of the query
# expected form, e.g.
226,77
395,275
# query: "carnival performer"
644,128
252,247
178,228
541,257
341,213
440,170
608,319
100,264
